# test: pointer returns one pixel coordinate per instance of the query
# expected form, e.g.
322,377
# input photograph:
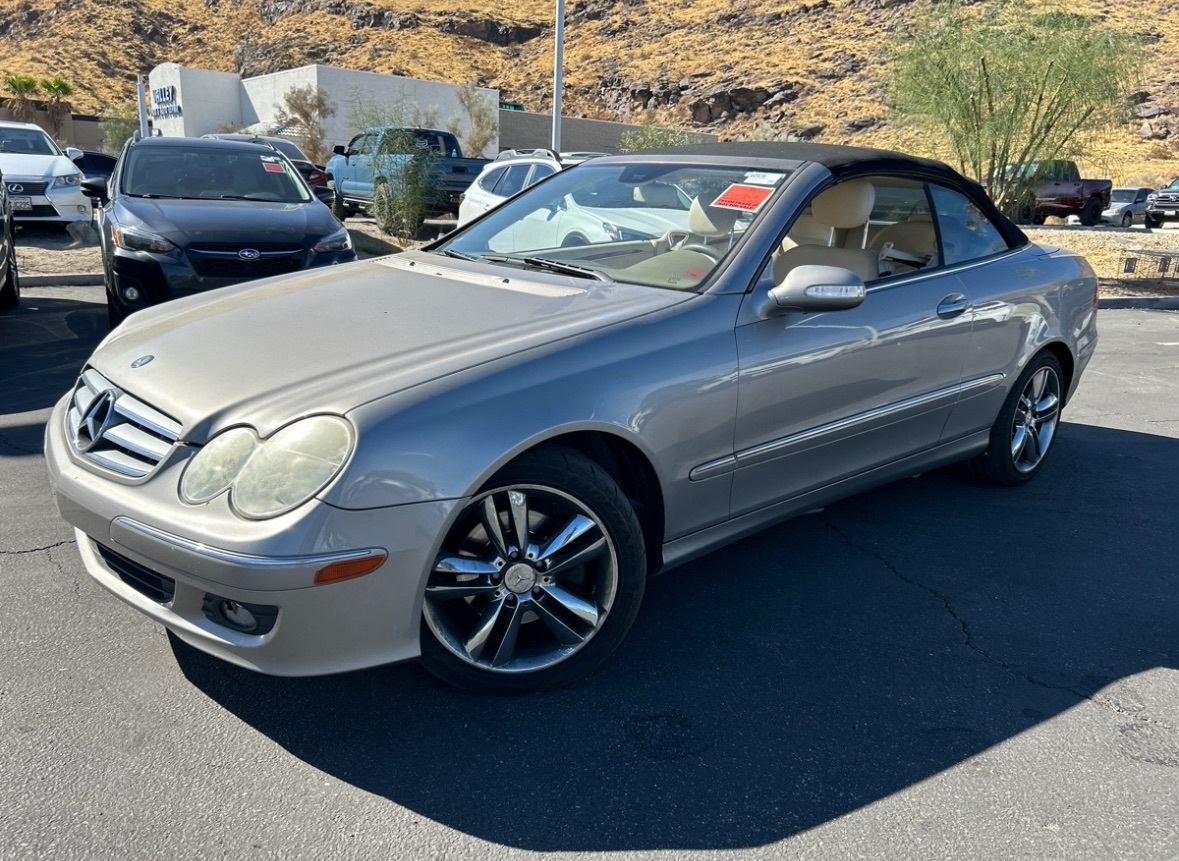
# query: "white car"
510,173
43,182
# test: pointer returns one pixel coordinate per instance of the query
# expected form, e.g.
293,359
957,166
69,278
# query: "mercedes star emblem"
141,361
96,418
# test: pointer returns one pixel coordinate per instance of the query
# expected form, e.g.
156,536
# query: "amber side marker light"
353,568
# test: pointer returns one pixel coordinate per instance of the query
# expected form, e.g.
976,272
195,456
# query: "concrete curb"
70,279
1151,303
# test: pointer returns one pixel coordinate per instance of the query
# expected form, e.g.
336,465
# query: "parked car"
510,173
1127,206
9,275
95,165
312,174
1163,205
186,215
1060,191
478,451
42,181
361,170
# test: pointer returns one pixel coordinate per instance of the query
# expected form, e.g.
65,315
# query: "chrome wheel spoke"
1018,442
507,643
1046,408
573,604
581,557
1032,450
518,506
475,643
573,530
489,517
1036,385
561,629
461,577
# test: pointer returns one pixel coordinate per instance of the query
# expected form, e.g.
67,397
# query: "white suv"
512,172
42,181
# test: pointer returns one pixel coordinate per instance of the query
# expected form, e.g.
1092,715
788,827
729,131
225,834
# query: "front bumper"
44,204
176,563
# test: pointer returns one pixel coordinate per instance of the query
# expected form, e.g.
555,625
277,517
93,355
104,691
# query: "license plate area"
21,204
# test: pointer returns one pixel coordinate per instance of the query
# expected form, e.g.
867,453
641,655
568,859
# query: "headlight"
269,477
623,234
1151,198
141,240
70,180
338,241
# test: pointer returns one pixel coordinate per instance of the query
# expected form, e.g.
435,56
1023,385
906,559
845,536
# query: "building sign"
164,102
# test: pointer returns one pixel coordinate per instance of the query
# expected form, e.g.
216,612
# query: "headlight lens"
338,241
216,465
141,240
623,234
273,476
1151,198
69,180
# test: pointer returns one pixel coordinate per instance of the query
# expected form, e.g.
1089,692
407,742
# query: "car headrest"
710,220
846,205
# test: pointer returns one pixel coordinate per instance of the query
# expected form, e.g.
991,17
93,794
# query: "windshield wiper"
458,255
157,196
550,265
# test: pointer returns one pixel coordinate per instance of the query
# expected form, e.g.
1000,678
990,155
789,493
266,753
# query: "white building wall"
206,100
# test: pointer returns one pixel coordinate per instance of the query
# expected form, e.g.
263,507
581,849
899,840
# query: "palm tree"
22,90
57,93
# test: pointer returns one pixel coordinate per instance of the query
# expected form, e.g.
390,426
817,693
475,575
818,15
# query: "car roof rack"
538,152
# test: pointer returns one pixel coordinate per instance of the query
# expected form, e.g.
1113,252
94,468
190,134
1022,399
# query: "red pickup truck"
1060,191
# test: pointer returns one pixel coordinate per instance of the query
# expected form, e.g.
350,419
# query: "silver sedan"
477,452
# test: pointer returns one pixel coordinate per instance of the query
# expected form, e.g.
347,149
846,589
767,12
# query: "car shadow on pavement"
789,679
43,345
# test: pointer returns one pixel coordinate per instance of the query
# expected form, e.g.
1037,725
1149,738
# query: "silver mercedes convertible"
477,452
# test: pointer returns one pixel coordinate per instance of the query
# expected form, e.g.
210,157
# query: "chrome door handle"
952,305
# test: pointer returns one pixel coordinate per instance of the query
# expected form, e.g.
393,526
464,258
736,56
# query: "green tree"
57,102
303,111
651,137
1007,84
21,93
482,120
118,123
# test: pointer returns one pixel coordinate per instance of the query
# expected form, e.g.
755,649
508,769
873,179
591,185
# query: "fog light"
130,293
255,619
83,209
238,616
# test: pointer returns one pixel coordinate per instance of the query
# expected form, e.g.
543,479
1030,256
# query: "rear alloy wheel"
1128,219
1026,426
10,284
537,581
1091,214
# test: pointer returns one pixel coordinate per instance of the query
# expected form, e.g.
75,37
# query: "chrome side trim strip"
243,559
760,452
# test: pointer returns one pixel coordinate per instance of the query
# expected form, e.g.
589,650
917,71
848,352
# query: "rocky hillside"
739,68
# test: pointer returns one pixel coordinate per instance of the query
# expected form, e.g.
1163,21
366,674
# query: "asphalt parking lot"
937,669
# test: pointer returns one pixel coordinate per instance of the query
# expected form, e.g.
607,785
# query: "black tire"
1153,223
339,208
115,313
1031,413
1128,219
1091,214
574,240
1038,217
537,620
10,284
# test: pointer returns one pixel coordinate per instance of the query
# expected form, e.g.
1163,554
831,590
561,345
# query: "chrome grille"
23,188
1167,198
115,430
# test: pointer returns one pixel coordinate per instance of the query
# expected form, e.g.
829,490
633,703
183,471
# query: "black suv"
184,215
1163,205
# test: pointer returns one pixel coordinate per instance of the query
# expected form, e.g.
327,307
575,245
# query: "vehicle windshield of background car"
212,173
27,142
1123,195
657,224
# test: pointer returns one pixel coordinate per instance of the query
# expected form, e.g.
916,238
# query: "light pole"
558,52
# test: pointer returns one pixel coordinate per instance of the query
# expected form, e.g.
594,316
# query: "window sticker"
745,198
762,178
271,166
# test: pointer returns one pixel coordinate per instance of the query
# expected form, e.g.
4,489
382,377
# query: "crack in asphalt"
968,639
37,549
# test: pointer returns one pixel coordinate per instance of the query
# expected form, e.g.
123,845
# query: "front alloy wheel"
538,579
1026,426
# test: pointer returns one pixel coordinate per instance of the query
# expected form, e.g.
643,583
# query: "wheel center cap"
520,578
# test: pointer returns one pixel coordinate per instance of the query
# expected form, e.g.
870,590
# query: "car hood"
40,167
332,339
186,222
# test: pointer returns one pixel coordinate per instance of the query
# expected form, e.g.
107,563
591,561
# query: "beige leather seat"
707,225
843,207
806,231
914,239
658,194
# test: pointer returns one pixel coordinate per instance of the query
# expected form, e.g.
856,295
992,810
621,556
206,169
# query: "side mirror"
340,149
813,288
96,188
73,153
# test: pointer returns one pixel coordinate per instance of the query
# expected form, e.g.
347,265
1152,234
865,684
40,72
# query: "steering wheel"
701,249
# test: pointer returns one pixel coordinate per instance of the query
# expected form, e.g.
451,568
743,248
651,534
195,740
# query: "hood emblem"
16,187
141,361
249,254
95,420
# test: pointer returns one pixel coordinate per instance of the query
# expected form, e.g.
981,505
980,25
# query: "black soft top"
849,161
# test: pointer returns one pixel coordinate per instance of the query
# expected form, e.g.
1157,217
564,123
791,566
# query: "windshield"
663,225
211,173
27,142
1123,195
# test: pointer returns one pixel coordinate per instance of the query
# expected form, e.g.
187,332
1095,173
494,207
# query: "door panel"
826,396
